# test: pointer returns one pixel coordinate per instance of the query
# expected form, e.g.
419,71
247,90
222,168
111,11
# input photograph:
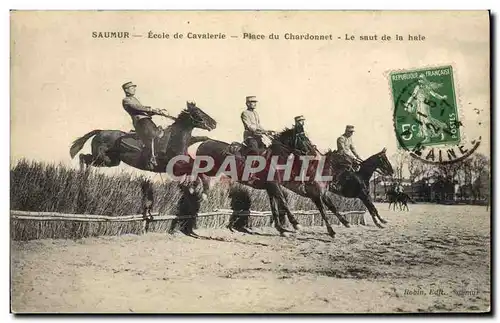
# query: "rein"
376,169
167,116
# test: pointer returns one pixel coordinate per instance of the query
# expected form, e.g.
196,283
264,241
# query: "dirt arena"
434,258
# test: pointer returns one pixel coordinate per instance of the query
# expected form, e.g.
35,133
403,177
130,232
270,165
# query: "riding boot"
335,183
153,157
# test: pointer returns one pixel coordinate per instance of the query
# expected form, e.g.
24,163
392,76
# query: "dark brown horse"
282,145
356,184
110,147
312,186
399,198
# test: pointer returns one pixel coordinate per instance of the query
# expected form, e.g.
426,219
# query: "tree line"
468,180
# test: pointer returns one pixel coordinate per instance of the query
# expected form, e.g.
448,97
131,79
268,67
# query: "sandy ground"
439,252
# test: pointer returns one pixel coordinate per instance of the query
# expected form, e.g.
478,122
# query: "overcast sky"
66,83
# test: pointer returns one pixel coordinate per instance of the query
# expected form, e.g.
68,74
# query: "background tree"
480,166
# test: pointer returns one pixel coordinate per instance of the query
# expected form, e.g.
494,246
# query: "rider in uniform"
300,135
252,135
299,128
141,115
347,152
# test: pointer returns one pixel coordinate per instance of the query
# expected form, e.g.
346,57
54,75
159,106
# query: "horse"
282,145
110,147
404,199
310,186
399,198
355,184
392,197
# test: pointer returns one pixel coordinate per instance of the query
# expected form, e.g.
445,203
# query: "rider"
299,128
300,135
141,115
347,152
252,136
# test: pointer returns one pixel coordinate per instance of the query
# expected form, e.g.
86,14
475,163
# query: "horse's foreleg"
327,199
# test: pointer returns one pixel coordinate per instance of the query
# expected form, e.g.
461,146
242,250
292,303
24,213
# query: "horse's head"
382,163
297,143
197,117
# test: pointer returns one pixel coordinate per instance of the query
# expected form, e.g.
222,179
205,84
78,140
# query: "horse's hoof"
379,225
383,221
331,233
346,224
297,227
285,234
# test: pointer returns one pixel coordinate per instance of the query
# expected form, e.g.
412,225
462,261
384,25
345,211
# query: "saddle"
132,143
240,150
236,148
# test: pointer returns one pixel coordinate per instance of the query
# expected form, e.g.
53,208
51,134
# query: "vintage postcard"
250,162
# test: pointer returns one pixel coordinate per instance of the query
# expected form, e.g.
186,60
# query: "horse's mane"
284,135
184,114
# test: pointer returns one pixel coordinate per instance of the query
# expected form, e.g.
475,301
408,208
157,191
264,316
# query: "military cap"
299,118
251,98
349,128
127,85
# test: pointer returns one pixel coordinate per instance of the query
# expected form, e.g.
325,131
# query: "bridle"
294,150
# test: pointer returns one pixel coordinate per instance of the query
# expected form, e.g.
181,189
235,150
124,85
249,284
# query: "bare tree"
417,169
400,158
445,176
480,167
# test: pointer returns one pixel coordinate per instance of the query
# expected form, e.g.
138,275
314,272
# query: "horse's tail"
78,143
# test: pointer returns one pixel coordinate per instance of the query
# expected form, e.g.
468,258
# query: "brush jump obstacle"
27,225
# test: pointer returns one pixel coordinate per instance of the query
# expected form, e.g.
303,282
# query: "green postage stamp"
425,107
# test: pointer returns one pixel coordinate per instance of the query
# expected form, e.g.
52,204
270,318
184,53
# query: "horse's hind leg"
327,199
279,198
319,205
283,207
373,211
274,211
86,161
82,161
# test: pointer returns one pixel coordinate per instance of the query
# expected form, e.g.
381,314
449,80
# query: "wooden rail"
55,216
